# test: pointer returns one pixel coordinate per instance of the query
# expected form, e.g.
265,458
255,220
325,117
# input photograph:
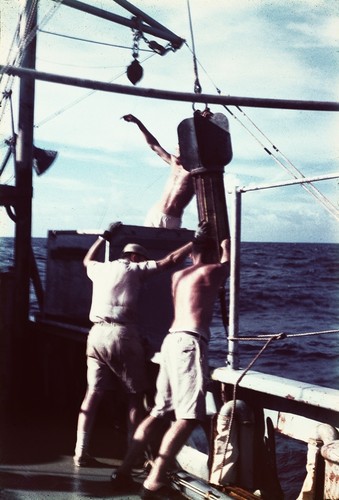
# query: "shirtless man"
179,189
183,371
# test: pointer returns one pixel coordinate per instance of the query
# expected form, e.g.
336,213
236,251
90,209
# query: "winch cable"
198,90
197,86
293,171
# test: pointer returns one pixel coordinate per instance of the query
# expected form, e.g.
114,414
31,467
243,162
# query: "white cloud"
323,33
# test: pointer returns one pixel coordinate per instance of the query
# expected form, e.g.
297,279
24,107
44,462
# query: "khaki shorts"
155,218
181,383
115,352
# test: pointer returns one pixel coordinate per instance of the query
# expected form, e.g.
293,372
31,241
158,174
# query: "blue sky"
253,48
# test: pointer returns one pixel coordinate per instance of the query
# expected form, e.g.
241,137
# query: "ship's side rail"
305,412
235,235
278,393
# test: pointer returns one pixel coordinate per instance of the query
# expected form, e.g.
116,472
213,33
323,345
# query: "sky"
104,170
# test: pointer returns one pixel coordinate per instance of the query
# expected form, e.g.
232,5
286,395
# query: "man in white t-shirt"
113,345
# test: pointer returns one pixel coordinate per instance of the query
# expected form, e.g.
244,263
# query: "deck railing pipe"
303,180
235,232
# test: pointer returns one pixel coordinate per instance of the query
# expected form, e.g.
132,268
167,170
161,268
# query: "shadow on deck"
36,460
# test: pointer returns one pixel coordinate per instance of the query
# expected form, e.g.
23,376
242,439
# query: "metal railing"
235,232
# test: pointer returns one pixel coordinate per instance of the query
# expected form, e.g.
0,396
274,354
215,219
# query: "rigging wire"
293,170
24,41
10,78
91,41
153,51
80,99
290,167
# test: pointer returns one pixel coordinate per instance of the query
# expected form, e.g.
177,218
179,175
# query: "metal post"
23,207
233,331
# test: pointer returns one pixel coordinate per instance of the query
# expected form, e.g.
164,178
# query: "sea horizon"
242,241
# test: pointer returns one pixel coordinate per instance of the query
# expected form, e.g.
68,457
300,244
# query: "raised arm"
113,228
175,257
178,255
150,139
93,251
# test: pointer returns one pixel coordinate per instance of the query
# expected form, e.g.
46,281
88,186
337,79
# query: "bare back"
178,190
194,291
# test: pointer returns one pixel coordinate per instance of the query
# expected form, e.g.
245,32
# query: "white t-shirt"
116,287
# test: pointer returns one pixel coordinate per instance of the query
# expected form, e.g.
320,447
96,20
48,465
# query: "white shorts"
114,352
155,218
183,374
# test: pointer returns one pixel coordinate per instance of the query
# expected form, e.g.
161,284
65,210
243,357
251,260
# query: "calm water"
285,287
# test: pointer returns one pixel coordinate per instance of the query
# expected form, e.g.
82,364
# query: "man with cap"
113,344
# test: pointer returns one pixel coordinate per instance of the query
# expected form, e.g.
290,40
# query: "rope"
223,308
281,335
268,339
235,387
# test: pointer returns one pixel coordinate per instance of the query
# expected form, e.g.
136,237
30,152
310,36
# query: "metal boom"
254,102
153,27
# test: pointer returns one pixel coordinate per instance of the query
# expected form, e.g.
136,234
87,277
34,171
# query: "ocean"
284,287
291,288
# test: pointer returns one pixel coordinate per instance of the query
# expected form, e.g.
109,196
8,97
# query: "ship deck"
36,462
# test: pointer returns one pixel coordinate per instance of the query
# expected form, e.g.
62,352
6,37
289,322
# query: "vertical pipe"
23,172
235,229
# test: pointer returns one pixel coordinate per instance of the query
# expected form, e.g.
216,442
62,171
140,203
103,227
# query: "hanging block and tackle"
205,148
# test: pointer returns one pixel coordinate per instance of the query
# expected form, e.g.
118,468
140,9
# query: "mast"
23,172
